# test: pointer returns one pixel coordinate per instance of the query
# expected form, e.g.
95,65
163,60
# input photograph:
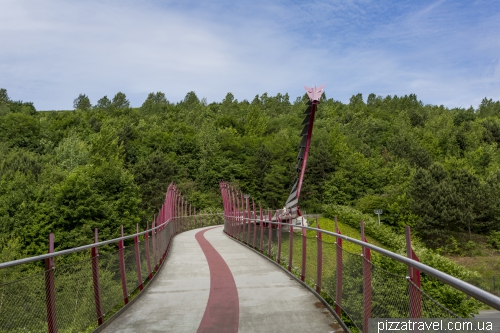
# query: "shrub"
494,240
453,299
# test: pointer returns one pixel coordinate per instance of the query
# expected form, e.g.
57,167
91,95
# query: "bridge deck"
212,284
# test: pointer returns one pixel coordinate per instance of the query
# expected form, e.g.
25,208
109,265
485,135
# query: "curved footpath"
210,283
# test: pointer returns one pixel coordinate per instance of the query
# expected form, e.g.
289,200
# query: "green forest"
108,164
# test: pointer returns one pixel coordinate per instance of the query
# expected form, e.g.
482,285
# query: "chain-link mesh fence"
80,283
22,300
357,286
74,297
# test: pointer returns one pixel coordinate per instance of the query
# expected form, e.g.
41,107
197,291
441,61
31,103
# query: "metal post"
319,258
367,281
304,247
148,257
153,238
248,220
269,239
261,230
138,257
243,219
278,257
338,289
95,279
50,290
121,257
237,216
290,249
254,224
182,214
415,300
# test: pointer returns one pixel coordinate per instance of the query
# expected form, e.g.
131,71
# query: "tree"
155,102
120,101
103,103
488,108
72,152
4,98
82,102
19,130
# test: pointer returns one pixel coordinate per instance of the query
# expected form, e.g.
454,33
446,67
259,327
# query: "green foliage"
426,166
103,103
4,97
120,101
19,130
82,102
494,239
453,299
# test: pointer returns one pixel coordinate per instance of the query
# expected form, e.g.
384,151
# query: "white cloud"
54,50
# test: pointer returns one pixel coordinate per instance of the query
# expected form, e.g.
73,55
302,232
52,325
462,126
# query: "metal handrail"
467,288
89,246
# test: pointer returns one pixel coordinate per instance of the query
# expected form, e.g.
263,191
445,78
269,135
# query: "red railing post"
50,290
319,258
237,216
195,218
304,258
121,257
248,221
160,243
243,219
338,289
153,238
269,239
148,257
138,258
278,257
254,224
290,249
261,231
415,301
95,279
367,281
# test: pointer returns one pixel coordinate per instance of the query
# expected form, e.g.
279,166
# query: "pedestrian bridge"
244,270
209,283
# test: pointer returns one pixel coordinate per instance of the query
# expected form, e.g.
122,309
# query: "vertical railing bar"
261,230
304,257
367,281
148,257
95,279
121,257
338,289
290,249
153,238
254,224
278,257
319,260
138,258
415,298
50,290
270,236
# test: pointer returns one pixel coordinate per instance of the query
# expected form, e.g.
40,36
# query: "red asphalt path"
222,311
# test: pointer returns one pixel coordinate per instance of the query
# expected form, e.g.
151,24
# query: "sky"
445,52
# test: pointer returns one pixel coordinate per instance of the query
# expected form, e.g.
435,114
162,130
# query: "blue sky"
446,52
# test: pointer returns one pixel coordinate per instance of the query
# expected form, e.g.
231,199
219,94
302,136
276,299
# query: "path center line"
222,311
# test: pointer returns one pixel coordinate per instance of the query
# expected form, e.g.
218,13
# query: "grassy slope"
481,258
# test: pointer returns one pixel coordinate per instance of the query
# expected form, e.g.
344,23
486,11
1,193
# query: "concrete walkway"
210,283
